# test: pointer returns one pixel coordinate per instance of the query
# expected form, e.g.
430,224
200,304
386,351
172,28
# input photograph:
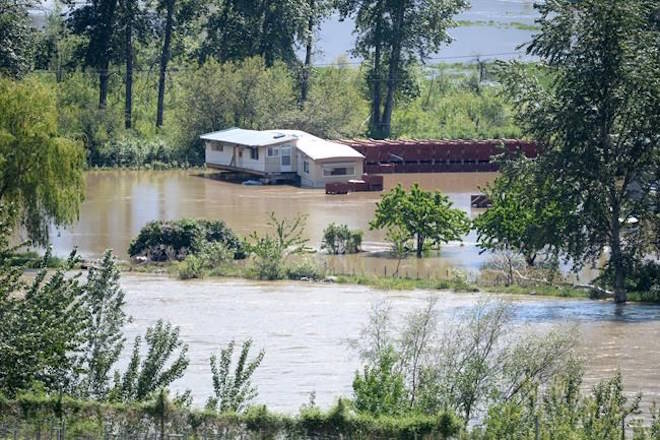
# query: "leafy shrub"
268,258
191,267
165,240
339,239
135,152
304,270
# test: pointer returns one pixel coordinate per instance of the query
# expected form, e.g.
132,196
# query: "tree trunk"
375,119
394,72
128,103
304,86
164,59
420,245
104,76
616,256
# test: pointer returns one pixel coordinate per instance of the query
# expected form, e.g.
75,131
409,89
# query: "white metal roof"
251,138
317,148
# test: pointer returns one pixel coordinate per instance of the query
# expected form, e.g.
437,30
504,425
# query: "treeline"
138,82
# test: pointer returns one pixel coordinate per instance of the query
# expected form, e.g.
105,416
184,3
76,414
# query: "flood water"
119,203
305,329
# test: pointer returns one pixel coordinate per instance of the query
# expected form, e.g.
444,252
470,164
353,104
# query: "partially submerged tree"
423,214
597,121
233,391
41,173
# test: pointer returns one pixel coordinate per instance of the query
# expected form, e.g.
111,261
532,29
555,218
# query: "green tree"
157,370
392,36
232,392
424,215
41,173
239,29
41,327
380,388
525,217
16,37
597,120
97,21
104,303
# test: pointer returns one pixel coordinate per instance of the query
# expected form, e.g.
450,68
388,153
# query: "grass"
32,260
457,284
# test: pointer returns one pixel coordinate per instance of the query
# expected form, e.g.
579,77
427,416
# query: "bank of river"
305,329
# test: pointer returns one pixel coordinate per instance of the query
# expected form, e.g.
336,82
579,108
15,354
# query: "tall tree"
597,119
41,173
15,38
103,303
317,11
239,29
178,15
392,36
97,20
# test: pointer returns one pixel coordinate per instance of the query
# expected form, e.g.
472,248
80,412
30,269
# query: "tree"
380,388
41,327
424,215
392,36
15,38
597,119
103,302
97,20
525,217
178,16
157,370
240,29
41,173
339,239
232,392
317,11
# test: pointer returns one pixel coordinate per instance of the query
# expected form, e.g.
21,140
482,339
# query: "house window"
254,153
217,147
338,171
306,167
273,151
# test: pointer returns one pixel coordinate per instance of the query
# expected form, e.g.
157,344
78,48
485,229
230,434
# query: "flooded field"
118,203
305,329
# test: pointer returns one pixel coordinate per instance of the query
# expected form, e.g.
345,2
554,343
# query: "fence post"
537,428
623,427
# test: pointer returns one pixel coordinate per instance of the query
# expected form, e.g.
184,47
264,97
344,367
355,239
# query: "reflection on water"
119,202
305,328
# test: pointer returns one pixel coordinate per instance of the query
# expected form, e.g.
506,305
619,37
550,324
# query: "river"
305,328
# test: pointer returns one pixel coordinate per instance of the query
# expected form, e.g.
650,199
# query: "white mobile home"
282,155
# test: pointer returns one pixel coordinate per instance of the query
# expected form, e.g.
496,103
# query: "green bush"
304,270
134,152
339,239
165,240
191,267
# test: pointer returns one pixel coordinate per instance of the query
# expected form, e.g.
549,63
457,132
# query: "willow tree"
41,173
392,36
598,120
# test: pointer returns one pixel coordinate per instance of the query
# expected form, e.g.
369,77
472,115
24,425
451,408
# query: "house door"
285,159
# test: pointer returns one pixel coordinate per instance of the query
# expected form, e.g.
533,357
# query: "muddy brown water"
304,327
119,203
